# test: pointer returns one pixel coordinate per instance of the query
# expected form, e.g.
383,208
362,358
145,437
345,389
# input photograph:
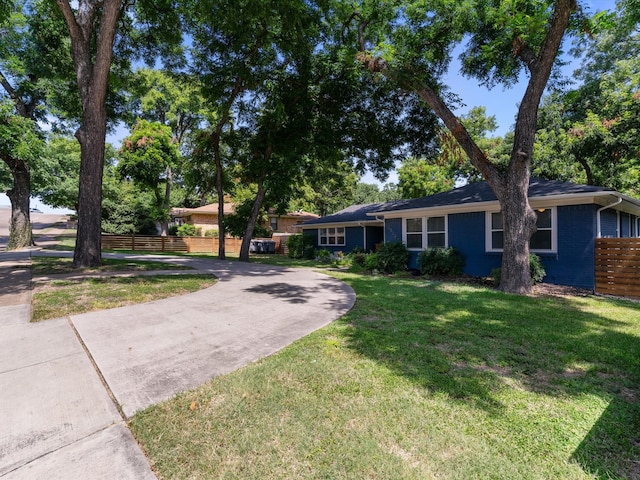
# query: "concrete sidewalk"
67,386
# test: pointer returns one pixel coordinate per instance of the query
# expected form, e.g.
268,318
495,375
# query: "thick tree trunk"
251,226
91,135
92,29
20,227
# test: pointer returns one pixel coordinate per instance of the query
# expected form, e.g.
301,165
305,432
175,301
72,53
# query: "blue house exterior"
570,218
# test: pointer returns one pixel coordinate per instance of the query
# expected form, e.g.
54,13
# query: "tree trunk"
91,135
20,228
221,229
164,223
92,29
253,219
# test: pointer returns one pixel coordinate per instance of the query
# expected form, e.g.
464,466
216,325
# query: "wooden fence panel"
617,266
154,243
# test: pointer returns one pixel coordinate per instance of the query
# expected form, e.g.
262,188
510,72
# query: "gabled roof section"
481,192
352,214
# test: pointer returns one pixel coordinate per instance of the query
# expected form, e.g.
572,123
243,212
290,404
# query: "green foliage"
536,270
301,246
392,257
147,153
236,223
441,261
20,138
212,233
358,258
188,230
323,256
417,177
371,262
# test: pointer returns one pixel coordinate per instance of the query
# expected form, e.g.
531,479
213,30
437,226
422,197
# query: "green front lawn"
422,380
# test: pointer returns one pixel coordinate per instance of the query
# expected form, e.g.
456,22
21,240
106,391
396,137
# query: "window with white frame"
331,236
413,229
541,241
424,232
436,232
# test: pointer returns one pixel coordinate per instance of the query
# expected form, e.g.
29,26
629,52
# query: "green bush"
301,246
188,230
441,261
173,230
323,256
371,262
392,257
536,270
212,233
358,258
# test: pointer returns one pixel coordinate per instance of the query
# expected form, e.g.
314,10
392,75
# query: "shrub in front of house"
536,270
301,246
323,256
441,261
392,257
173,230
188,230
211,233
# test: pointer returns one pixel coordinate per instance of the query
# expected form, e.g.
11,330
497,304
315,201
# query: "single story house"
570,218
206,218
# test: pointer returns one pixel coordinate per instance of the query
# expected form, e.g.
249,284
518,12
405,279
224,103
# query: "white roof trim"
360,223
631,205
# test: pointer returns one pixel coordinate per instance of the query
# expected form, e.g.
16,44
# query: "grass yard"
59,265
59,298
422,380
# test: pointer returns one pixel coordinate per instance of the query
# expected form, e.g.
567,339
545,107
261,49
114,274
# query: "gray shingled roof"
481,192
352,214
472,193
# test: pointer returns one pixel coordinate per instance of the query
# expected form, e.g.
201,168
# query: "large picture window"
332,236
541,241
425,232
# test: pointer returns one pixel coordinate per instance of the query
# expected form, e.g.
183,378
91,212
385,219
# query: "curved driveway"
57,377
149,352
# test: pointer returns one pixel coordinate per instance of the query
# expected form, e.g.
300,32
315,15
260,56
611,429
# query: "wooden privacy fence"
617,263
156,243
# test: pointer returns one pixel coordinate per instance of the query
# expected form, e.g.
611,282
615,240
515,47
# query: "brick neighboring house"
289,222
206,218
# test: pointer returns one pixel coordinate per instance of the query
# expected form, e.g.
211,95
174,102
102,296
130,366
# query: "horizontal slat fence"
154,243
617,264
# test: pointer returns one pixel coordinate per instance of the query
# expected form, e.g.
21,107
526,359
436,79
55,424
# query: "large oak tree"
410,44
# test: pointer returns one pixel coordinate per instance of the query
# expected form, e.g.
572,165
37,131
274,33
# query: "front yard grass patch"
58,265
422,380
59,298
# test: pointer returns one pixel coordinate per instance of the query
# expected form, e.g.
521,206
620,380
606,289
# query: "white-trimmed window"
436,232
331,236
413,235
544,240
425,232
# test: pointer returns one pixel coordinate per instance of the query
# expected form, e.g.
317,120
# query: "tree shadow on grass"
471,343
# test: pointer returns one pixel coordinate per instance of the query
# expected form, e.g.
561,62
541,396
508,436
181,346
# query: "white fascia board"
361,223
631,205
439,210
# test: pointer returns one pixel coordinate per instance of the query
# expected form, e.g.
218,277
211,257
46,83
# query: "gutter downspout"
364,235
618,202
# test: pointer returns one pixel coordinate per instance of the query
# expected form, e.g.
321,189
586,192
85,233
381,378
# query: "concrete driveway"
67,386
